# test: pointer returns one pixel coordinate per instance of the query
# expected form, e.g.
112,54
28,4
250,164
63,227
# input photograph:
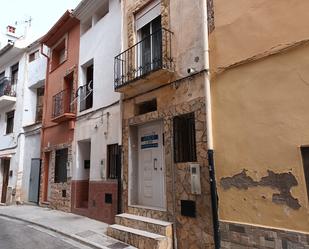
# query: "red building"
61,46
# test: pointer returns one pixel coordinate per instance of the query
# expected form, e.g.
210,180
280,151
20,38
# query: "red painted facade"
94,201
59,108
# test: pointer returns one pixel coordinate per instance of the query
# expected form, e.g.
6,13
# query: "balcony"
7,91
63,107
146,65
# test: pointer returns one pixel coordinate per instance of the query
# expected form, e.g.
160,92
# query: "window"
33,56
61,165
113,161
184,138
305,156
14,74
151,46
9,122
86,91
59,54
147,106
39,104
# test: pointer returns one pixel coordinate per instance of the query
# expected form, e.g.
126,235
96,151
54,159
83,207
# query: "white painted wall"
101,43
23,148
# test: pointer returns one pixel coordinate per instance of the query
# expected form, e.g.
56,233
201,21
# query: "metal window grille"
61,165
10,122
184,138
113,161
305,156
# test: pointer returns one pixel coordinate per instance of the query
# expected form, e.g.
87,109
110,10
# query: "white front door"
151,165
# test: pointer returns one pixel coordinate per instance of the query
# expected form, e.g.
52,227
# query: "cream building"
259,66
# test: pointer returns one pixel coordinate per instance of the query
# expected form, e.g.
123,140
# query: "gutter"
209,130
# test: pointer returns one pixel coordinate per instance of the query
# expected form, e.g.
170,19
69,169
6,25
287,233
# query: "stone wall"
60,196
240,236
191,232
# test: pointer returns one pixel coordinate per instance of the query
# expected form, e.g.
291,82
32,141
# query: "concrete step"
146,224
138,238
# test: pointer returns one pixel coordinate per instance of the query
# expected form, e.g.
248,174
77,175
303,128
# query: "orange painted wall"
52,132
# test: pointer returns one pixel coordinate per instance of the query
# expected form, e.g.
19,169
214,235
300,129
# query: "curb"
70,236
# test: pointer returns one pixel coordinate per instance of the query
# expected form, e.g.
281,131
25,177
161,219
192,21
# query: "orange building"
61,47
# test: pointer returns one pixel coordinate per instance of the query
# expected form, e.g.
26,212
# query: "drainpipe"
210,151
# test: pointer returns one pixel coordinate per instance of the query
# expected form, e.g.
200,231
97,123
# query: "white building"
97,133
22,72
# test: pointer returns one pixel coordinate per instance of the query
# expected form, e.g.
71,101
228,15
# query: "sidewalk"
87,231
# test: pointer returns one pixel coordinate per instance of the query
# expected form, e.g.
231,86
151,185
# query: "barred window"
184,138
113,161
61,165
305,156
10,122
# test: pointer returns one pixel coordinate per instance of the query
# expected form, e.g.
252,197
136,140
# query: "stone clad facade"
176,93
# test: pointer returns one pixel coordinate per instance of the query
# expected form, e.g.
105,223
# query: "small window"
147,106
9,122
58,54
113,161
61,165
86,91
39,104
305,156
14,74
33,56
184,138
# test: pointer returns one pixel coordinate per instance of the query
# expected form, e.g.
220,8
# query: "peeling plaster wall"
261,119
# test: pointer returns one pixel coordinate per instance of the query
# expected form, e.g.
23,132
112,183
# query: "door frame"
133,167
5,186
39,186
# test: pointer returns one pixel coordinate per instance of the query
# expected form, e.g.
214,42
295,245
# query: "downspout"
45,184
209,130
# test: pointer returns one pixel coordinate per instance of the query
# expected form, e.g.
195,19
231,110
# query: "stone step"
146,224
138,238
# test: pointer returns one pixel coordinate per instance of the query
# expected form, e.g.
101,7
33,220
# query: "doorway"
148,166
34,184
5,175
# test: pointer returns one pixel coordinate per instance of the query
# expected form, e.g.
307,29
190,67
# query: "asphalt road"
20,235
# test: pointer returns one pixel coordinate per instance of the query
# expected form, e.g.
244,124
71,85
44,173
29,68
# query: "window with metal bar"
9,122
184,138
61,165
113,161
305,156
39,104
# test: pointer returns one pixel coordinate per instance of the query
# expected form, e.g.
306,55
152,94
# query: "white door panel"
151,166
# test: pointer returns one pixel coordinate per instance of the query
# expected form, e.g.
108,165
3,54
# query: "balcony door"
150,46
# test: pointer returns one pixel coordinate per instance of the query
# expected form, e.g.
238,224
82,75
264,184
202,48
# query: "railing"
152,53
62,103
8,87
85,93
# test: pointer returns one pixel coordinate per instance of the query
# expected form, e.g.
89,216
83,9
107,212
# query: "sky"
43,13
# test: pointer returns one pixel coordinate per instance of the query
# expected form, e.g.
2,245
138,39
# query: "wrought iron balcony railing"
8,87
62,103
152,53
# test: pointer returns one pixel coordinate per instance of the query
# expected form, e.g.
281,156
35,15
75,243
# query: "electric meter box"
195,178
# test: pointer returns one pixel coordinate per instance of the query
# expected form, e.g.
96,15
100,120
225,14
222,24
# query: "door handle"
155,164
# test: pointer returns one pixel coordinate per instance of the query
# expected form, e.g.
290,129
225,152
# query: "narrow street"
20,235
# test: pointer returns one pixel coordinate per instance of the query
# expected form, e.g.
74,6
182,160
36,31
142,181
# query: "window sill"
59,65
